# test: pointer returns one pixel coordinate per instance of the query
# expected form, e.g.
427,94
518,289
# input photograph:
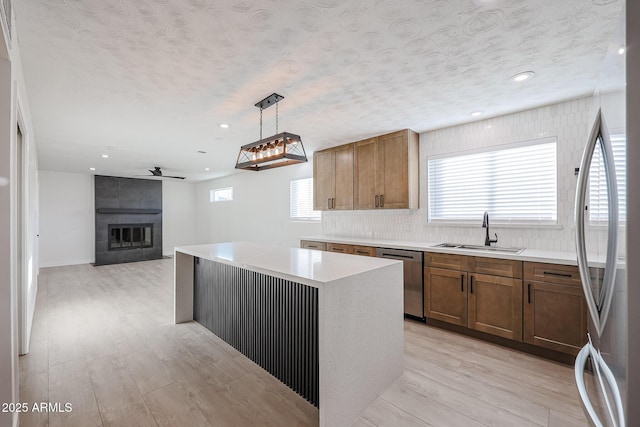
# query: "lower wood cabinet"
339,248
364,250
555,310
308,244
464,297
495,305
445,295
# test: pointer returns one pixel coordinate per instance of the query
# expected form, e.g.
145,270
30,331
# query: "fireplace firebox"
130,236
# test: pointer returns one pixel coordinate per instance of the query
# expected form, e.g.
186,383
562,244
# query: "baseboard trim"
66,262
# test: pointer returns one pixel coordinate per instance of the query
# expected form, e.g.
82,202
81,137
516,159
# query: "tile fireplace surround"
128,219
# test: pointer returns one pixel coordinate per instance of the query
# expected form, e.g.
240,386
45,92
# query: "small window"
302,200
221,195
598,199
516,183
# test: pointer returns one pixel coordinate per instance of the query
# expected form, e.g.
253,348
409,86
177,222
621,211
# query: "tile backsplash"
569,122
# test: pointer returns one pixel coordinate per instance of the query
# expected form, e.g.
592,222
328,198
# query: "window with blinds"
221,195
301,196
598,199
516,183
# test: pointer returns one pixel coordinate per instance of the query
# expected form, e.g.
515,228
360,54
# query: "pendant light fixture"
281,149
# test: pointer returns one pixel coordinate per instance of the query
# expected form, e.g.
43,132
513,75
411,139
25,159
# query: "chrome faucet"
485,224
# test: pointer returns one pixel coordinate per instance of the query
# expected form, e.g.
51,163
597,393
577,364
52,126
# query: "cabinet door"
445,295
323,180
495,305
343,177
364,179
392,170
555,316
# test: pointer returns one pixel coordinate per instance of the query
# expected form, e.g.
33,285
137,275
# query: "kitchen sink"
479,248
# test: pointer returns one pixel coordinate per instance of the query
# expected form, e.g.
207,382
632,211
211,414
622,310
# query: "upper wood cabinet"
333,178
386,172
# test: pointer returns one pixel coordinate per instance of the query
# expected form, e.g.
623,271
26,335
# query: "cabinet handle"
337,249
529,293
333,203
551,273
462,283
382,200
362,252
376,200
329,203
471,286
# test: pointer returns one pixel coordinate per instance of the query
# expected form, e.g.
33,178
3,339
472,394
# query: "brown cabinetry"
386,172
308,244
445,295
333,178
460,290
339,248
555,312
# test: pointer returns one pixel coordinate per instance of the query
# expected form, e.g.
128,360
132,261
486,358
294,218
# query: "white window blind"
302,200
598,199
221,195
516,183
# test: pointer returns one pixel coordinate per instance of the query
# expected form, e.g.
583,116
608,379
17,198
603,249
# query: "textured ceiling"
149,81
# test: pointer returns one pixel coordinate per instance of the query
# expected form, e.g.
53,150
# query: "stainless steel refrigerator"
601,217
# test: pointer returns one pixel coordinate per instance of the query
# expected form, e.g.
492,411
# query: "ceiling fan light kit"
281,149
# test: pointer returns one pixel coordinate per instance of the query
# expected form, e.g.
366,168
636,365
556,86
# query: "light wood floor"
104,340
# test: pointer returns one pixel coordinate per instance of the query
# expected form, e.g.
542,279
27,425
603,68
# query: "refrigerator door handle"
616,415
598,310
581,361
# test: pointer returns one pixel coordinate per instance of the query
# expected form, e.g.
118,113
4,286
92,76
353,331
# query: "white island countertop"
533,255
305,266
358,304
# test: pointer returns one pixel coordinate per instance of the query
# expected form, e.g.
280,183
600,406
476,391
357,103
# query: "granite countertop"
534,255
305,266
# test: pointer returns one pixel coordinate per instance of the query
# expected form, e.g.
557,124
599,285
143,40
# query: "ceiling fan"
158,172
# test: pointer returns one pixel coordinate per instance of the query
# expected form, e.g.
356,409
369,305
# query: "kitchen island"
330,326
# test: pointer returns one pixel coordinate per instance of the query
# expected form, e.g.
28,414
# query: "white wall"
67,217
568,121
67,233
178,215
259,211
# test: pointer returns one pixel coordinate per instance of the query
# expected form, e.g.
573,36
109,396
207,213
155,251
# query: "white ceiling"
149,81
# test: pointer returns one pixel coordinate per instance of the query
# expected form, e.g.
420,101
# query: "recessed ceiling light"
207,169
92,169
477,113
621,50
105,156
520,77
202,152
224,125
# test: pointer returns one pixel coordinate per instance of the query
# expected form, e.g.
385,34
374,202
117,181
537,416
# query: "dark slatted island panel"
272,321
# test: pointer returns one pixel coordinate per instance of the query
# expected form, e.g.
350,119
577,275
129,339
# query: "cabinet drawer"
555,273
364,250
340,248
495,267
448,261
308,244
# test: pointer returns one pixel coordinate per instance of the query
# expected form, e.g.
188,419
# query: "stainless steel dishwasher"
413,278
